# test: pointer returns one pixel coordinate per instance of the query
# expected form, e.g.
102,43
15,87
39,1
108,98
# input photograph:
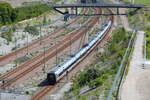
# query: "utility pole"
16,49
88,33
40,36
56,52
44,59
27,44
70,45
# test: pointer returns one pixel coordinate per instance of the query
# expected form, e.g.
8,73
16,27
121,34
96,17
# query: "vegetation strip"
144,2
148,43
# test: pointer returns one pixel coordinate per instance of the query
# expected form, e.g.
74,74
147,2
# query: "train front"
51,77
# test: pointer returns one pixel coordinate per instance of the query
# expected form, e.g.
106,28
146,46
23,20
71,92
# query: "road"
136,85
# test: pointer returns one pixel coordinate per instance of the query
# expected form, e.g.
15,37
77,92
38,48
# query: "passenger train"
61,70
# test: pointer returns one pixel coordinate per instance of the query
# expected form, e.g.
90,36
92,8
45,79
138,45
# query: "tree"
5,12
14,16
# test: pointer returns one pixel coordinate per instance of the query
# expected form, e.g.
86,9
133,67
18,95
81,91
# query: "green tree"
6,13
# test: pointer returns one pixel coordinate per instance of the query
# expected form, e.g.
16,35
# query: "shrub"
7,36
32,30
91,84
98,81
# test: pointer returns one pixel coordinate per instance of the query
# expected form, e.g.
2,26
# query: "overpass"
98,4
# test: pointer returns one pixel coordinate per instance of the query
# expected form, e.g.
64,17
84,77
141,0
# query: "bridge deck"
96,5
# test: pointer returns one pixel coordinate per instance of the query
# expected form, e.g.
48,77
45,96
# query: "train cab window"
105,25
85,45
51,78
72,55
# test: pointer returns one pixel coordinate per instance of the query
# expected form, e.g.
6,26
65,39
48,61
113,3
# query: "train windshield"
51,78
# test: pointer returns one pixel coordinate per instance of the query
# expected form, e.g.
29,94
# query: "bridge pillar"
76,10
117,11
72,11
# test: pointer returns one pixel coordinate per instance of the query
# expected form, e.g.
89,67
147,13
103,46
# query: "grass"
143,2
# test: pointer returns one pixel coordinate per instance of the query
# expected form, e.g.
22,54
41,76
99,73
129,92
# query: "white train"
61,70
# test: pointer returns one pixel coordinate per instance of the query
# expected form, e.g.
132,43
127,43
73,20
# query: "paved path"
137,82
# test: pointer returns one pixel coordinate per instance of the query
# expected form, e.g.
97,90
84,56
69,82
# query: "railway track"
6,75
35,45
46,90
13,76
